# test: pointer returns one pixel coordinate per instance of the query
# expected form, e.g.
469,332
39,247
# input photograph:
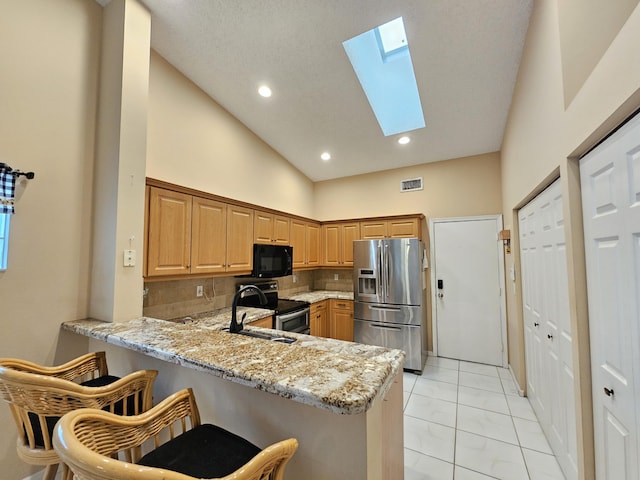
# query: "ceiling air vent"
411,184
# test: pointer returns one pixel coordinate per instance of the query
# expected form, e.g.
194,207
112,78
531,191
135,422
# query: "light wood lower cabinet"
341,319
266,322
319,319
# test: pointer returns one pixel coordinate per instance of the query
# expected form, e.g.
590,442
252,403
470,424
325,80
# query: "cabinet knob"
550,337
608,392
535,324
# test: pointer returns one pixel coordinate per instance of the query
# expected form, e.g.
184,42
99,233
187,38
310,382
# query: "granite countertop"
342,377
320,295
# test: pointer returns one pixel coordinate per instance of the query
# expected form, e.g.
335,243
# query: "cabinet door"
350,232
169,251
373,230
280,234
331,244
266,322
342,320
313,245
262,227
299,242
405,228
319,321
239,239
270,228
208,236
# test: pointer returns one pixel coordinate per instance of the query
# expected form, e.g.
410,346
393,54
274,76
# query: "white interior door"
547,324
468,285
610,178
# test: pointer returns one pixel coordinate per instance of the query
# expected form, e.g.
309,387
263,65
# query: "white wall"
48,89
543,139
194,142
459,187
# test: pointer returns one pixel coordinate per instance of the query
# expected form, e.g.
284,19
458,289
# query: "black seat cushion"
51,421
206,451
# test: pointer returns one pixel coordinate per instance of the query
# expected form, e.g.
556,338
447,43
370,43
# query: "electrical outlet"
199,291
294,279
335,276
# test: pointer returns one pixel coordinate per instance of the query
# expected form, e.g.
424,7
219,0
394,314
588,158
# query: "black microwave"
271,261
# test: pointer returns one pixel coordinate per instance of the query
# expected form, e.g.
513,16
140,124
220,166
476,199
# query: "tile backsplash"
177,298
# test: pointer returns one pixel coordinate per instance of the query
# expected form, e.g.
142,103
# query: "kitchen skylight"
382,62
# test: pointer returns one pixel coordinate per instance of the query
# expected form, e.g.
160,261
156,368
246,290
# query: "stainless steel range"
290,315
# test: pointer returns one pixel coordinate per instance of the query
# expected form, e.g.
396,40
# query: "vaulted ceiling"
465,54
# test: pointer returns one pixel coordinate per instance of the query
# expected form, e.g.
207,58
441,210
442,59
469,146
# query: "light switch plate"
129,258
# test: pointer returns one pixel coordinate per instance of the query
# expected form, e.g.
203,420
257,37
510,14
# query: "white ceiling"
465,55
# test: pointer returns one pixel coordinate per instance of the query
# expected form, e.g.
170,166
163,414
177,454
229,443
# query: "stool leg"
67,474
50,472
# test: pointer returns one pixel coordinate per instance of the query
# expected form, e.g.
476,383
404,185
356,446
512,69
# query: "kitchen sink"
266,336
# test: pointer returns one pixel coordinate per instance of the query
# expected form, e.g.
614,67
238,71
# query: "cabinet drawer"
342,304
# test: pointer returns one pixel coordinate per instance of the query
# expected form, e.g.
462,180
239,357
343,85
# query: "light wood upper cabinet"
305,240
208,236
193,235
338,243
396,228
169,243
373,230
239,238
313,245
190,232
270,228
341,319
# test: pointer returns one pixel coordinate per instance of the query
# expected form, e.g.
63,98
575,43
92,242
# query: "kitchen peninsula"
342,400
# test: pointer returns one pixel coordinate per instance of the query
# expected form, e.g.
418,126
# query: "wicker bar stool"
38,396
167,442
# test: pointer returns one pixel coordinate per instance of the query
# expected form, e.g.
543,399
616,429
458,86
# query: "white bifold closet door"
547,324
610,179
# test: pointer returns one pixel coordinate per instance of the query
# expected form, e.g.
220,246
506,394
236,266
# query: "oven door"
296,322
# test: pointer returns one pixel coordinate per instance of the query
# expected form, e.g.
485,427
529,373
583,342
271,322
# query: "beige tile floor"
466,421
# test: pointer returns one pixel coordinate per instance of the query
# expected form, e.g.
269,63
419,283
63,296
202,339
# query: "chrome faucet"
235,326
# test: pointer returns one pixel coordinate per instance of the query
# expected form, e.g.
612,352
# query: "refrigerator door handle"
386,271
382,307
385,327
380,271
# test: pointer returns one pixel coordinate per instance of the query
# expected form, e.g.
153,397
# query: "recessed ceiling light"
325,156
404,140
264,91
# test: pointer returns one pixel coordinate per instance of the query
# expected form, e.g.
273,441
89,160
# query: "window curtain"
7,191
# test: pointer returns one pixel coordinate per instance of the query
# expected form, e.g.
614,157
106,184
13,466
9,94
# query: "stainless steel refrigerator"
390,296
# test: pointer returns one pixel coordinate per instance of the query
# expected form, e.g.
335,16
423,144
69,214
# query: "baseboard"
515,380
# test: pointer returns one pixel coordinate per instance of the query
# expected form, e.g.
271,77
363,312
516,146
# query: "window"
4,239
382,63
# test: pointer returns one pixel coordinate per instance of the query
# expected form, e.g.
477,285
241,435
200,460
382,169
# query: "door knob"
607,392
